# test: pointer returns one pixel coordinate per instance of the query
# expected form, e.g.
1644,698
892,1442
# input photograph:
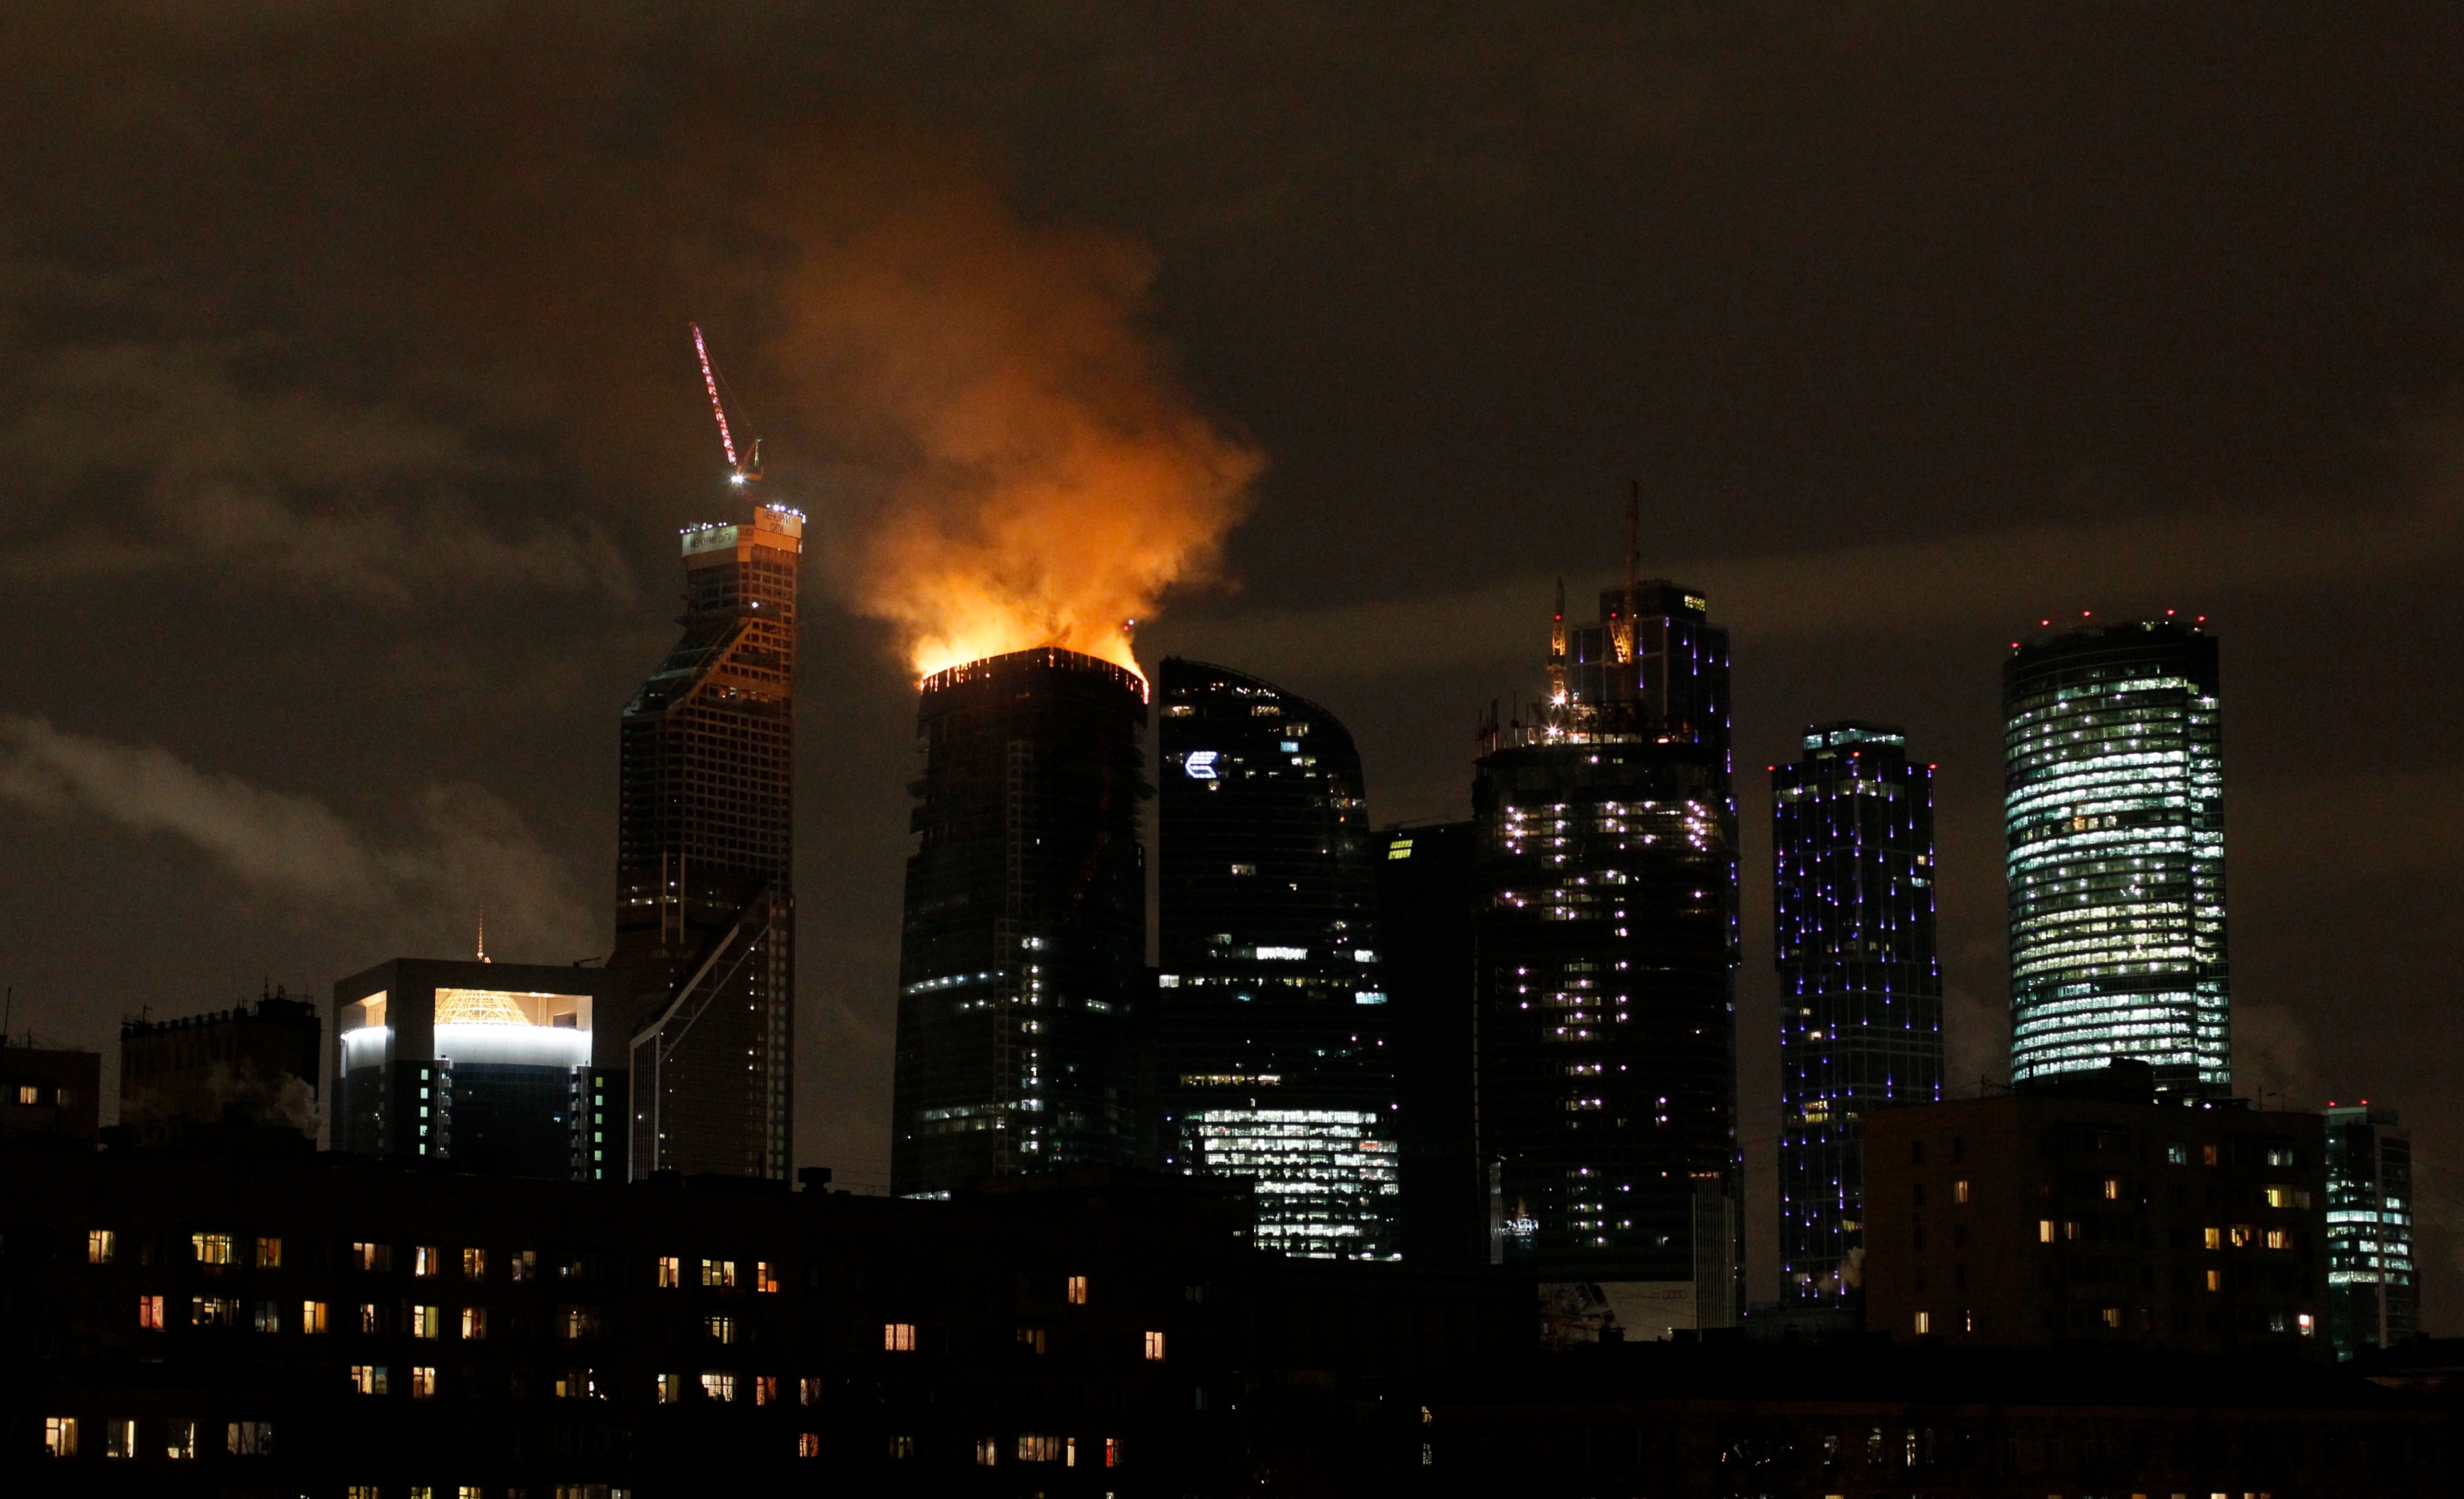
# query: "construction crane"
748,472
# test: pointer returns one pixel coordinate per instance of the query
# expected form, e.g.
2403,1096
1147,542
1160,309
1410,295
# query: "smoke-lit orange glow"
1048,479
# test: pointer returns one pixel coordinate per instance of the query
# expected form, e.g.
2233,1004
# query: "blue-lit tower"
2114,816
2373,1290
1271,1014
1861,986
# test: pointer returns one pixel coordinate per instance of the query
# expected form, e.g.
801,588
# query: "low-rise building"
49,1093
243,1068
2081,1208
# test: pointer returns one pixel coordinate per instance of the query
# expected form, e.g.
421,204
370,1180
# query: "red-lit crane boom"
709,382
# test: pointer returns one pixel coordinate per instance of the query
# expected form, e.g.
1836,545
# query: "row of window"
122,1437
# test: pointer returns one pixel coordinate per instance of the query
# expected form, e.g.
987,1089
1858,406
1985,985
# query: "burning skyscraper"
1024,952
1606,936
705,905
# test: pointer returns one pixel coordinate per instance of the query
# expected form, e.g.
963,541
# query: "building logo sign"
1201,765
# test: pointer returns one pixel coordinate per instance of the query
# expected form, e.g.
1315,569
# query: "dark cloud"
348,418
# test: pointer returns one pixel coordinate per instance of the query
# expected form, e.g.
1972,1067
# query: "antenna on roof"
483,936
1633,567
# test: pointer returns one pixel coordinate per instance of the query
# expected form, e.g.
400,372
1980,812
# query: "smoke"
469,849
1046,476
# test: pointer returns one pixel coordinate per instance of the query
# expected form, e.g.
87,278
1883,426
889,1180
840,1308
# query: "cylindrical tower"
2114,819
1024,945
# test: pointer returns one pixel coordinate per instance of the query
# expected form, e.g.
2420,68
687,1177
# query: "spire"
1557,648
483,936
1633,568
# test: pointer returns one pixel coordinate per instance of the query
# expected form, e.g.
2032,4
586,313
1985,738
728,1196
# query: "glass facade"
2373,1291
1425,901
1607,933
2114,819
1022,958
705,904
1861,986
1271,1011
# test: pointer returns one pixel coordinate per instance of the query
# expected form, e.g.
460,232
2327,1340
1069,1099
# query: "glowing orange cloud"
1047,478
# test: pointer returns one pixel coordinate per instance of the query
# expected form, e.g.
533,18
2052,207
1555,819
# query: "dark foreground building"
1023,952
1861,987
1271,1014
705,860
51,1095
503,1068
1427,893
2082,1209
2114,816
240,1068
1608,947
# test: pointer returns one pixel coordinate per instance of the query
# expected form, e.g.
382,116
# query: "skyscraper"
1607,954
1427,889
1861,988
2114,817
2373,1290
1270,1016
1023,953
705,900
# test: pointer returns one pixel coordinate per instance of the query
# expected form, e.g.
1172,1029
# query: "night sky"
348,415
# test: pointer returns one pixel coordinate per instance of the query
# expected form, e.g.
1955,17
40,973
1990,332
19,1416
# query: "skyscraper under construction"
705,905
1023,952
1607,952
1271,1018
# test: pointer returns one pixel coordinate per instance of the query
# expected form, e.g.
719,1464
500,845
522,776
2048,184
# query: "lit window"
719,1330
118,1438
372,1256
765,1389
671,1272
211,1248
474,1324
180,1441
2243,1235
2113,1316
809,1445
987,1452
426,1260
28,1092
718,1386
474,1265
1077,1291
2277,1238
2177,1155
1155,1347
1038,1449
269,1254
60,1436
902,1447
1112,1452
2215,1280
2309,1325
808,1391
369,1319
525,1264
1959,1191
251,1439
765,1277
427,1321
268,1318
2207,1155
718,1272
2113,1189
898,1337
2287,1197
581,1322
2214,1238
368,1378
423,1384
101,1247
2044,1230
1925,1323
312,1316
149,1311
671,1388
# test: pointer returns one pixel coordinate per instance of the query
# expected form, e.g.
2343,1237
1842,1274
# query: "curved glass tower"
1860,1007
2114,818
1270,1015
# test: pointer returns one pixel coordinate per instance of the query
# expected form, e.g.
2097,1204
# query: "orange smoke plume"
1047,478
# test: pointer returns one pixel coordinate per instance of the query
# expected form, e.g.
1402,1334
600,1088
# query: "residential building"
50,1092
1861,987
1272,1012
705,864
2089,1206
1606,936
1427,893
2373,1287
501,1069
243,1068
1022,962
2114,817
